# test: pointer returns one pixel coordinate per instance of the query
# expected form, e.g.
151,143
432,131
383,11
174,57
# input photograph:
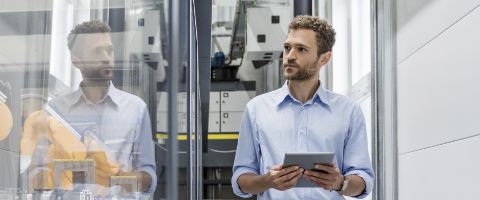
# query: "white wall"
438,98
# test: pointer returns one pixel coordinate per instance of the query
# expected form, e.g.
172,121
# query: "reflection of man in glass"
98,121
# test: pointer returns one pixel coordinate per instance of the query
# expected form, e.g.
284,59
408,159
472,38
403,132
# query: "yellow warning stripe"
211,136
230,136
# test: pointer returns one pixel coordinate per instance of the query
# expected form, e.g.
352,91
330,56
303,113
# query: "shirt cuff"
368,182
153,175
236,188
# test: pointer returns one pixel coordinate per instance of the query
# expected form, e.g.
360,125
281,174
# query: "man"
97,121
303,117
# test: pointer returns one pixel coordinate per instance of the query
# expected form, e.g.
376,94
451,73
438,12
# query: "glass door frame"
384,105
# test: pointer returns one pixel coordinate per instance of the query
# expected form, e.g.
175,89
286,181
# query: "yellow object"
6,120
64,145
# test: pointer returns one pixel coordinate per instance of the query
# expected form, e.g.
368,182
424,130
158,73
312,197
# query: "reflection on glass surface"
5,117
76,93
95,139
84,106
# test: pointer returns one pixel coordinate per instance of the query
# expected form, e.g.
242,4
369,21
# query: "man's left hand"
327,176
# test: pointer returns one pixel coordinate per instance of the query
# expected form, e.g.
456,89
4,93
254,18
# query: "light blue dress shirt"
120,121
276,123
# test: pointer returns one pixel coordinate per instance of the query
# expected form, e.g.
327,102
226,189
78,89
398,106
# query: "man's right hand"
283,178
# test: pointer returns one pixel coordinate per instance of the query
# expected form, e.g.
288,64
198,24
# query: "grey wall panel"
25,5
17,51
445,172
25,23
438,91
9,169
420,21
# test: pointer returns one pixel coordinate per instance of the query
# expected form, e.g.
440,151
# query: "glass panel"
352,57
79,105
233,84
176,97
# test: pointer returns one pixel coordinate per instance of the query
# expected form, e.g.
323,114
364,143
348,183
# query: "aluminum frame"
384,101
176,12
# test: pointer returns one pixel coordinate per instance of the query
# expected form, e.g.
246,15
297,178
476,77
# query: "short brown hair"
95,26
325,34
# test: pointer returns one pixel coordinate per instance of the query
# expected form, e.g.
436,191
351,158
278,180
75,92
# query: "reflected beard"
102,74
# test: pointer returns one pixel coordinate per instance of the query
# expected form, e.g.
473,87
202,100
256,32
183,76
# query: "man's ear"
325,57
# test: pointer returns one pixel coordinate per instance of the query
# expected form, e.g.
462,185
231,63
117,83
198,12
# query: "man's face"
300,58
94,56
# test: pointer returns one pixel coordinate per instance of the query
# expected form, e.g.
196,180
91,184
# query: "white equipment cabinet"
267,29
225,112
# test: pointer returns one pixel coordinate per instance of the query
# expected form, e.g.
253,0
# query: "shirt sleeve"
356,156
144,155
247,155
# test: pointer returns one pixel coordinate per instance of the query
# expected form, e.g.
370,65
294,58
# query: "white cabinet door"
230,121
235,100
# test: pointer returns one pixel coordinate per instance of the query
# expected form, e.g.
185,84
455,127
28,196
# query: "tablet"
307,161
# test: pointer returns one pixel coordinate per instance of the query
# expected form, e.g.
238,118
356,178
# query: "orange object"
6,120
64,145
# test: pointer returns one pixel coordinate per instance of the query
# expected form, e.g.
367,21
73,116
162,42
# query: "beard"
104,73
303,73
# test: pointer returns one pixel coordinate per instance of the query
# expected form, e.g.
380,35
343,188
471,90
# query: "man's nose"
290,56
290,59
107,55
107,58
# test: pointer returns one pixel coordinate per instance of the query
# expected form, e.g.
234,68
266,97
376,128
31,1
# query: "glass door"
100,99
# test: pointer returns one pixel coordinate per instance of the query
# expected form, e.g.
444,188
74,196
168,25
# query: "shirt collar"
284,95
113,94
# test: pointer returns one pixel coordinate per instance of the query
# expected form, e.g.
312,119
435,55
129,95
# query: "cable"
165,149
222,151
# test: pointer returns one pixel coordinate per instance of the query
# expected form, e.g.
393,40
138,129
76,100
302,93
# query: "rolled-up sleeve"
247,154
145,153
356,156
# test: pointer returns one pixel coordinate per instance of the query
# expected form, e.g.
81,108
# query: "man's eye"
302,49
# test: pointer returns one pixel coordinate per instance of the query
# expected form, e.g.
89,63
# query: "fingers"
288,170
295,179
283,178
320,175
325,175
292,174
320,182
288,181
329,168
